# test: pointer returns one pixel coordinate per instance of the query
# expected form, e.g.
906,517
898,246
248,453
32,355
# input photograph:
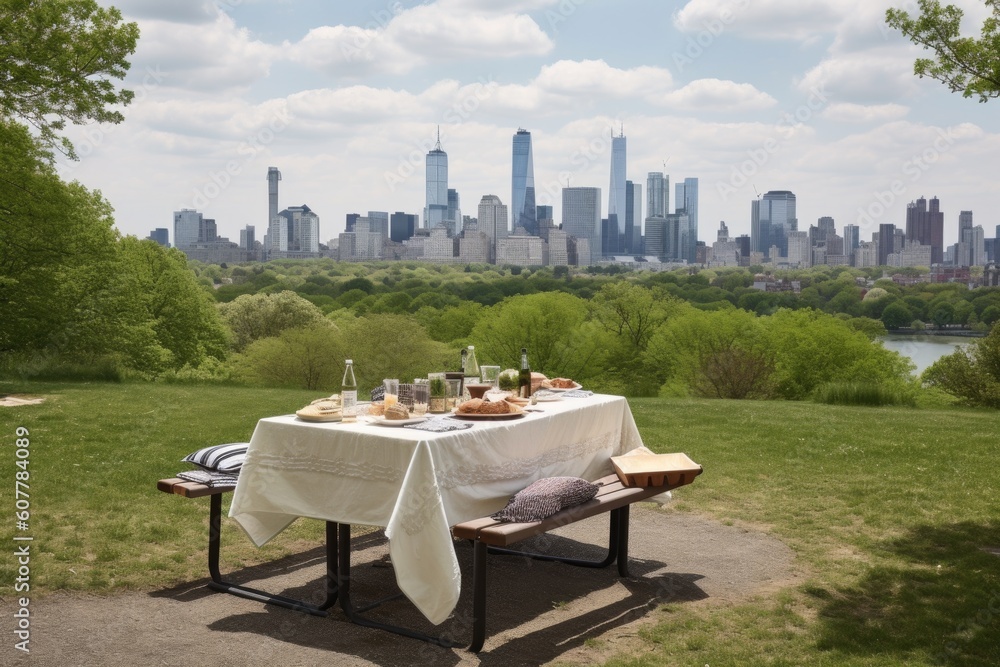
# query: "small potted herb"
438,392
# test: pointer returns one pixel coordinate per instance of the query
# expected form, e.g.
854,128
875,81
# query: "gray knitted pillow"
546,497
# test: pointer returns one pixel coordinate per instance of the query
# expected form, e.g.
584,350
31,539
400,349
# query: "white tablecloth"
417,484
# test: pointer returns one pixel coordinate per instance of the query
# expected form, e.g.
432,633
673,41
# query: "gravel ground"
537,612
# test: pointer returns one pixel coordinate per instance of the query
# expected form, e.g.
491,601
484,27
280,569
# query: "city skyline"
346,102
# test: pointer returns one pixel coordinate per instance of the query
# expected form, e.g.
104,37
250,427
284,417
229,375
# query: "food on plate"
324,406
559,383
376,409
397,411
478,406
536,380
335,400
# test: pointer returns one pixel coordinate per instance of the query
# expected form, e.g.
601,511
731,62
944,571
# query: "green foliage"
972,374
253,317
964,64
862,393
393,346
896,316
58,60
310,357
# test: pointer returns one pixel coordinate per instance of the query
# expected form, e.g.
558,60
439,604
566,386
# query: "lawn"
888,510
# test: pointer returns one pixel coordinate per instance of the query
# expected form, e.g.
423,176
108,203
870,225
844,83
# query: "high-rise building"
402,226
617,198
436,210
160,235
187,228
522,199
543,212
379,222
352,219
248,237
492,221
771,219
687,199
633,218
453,219
657,195
926,226
677,246
273,176
654,241
852,237
798,249
299,230
886,243
581,216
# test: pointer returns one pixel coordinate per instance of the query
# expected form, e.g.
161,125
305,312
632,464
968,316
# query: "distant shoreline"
963,333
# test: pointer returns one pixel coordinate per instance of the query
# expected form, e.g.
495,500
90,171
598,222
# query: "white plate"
382,421
544,398
576,385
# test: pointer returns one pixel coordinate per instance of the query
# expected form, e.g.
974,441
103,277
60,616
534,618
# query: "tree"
255,316
311,357
58,60
896,316
964,64
972,374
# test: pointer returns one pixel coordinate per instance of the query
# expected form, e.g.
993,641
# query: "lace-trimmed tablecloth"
417,484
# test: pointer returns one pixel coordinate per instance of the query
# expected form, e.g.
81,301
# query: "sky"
346,97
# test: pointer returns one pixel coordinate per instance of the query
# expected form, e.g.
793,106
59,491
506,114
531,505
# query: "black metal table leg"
621,544
218,584
353,615
479,564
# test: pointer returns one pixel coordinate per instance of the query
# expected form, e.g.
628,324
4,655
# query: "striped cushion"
220,458
545,497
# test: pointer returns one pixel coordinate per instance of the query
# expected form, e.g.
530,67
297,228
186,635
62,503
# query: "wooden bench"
189,489
491,536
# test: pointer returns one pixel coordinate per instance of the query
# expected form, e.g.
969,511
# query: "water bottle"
349,394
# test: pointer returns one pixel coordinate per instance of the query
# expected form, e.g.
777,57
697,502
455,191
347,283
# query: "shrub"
862,394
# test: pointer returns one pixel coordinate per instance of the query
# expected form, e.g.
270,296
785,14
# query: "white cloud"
764,19
847,112
871,76
596,77
176,11
417,36
213,56
717,95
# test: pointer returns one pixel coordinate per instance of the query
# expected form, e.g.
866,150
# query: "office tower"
657,195
402,226
771,219
522,198
617,198
655,239
379,221
677,246
581,216
723,235
299,231
543,212
248,237
492,221
743,243
436,210
798,249
160,235
633,218
926,226
454,217
187,228
886,242
852,237
273,176
687,199
352,219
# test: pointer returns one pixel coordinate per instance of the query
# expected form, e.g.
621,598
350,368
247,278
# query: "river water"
924,350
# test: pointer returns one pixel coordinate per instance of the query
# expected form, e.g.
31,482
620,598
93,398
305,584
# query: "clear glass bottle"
349,394
471,366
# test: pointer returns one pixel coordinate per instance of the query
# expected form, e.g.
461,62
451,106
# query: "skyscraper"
657,195
581,215
886,243
617,198
633,218
852,238
454,217
522,199
436,211
248,237
686,199
273,176
926,226
187,227
771,219
402,226
492,221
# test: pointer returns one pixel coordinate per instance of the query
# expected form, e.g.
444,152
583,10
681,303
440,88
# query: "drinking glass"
391,392
491,375
454,391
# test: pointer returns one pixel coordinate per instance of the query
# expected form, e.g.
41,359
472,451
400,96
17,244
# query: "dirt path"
537,613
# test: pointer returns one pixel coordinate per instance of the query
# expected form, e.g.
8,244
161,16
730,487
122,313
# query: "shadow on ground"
938,598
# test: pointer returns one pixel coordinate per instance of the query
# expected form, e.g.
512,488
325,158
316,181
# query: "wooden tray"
656,469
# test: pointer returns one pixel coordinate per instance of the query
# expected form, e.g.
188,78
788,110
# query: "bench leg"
218,584
354,615
621,544
479,565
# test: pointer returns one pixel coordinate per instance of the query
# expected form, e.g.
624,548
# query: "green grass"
887,510
860,393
